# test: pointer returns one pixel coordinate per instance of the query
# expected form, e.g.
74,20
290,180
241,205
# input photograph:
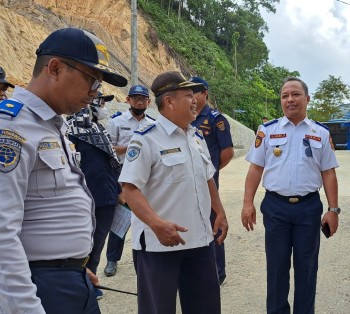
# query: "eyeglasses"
96,84
308,151
143,99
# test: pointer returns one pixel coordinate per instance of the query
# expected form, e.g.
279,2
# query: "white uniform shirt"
171,168
293,172
46,210
122,127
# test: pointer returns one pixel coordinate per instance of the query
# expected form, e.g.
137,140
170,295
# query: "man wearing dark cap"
101,167
121,128
47,217
216,131
4,84
168,183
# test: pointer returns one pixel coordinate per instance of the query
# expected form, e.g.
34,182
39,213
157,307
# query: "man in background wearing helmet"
121,128
101,167
47,213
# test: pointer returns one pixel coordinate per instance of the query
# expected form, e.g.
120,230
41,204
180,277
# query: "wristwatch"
334,209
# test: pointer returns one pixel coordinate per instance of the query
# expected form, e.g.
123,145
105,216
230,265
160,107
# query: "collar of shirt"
205,111
39,107
170,127
285,121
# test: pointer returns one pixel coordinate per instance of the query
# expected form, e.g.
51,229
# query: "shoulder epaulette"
215,113
320,124
145,129
149,117
199,134
118,113
270,122
10,107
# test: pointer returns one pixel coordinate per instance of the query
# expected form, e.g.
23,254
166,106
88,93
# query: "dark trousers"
192,272
115,247
291,228
104,217
65,290
219,250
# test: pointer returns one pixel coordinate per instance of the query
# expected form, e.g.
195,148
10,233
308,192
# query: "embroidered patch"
136,142
312,137
278,135
170,151
133,153
205,121
259,137
14,135
221,125
10,153
49,145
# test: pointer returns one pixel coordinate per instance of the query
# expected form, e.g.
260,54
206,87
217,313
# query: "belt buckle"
293,200
85,261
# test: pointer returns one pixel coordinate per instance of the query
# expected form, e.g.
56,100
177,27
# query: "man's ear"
168,102
54,67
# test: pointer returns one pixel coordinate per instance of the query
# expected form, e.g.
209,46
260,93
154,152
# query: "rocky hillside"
25,23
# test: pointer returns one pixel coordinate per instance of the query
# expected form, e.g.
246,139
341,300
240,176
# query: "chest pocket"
51,170
175,167
277,146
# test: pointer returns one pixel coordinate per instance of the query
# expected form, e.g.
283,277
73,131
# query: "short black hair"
292,78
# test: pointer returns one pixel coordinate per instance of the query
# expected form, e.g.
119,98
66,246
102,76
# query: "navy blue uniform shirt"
101,176
216,131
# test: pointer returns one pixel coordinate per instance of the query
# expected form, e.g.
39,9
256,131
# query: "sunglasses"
308,151
96,84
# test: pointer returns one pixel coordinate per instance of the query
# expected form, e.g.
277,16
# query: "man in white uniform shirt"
121,127
168,183
295,154
47,216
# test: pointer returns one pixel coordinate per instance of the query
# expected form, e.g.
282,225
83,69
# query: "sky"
311,37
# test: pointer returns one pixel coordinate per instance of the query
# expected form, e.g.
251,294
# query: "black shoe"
110,269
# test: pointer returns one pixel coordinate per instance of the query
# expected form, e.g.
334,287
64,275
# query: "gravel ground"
245,288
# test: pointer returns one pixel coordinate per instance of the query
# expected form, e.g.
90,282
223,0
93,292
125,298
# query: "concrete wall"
242,136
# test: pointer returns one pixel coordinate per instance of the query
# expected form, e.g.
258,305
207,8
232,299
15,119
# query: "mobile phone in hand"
325,229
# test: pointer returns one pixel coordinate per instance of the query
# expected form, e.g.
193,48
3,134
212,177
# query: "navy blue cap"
197,79
138,90
3,78
83,47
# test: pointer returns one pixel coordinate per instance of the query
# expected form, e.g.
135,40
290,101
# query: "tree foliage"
330,94
222,42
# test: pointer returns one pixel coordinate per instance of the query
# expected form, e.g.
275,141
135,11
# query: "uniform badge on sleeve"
10,150
132,153
221,125
259,137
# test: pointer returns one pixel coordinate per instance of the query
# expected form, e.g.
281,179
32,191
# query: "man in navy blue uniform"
101,167
216,131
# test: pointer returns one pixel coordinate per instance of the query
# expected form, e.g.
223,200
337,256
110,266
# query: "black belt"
68,262
292,199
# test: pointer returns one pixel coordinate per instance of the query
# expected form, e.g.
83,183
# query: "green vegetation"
222,41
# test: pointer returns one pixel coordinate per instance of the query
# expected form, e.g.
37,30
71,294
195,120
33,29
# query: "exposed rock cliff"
24,24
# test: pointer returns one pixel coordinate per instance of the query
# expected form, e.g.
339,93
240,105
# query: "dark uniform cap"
138,90
197,79
172,80
83,47
106,98
3,78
